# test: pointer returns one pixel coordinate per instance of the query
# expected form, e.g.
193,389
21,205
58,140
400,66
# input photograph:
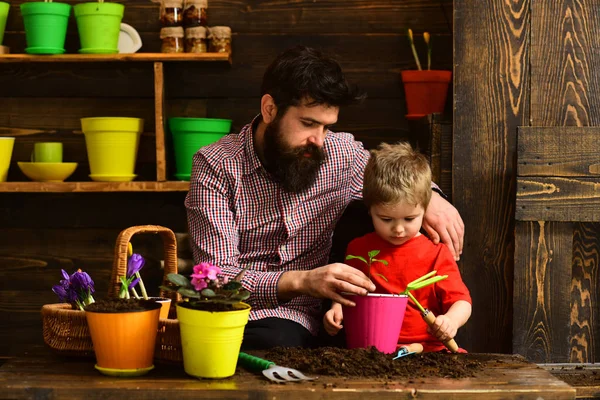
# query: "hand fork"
427,315
274,372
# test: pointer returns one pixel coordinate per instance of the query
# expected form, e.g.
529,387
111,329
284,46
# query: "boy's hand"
443,328
332,320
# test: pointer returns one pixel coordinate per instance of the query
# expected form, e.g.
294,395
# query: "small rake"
427,315
274,372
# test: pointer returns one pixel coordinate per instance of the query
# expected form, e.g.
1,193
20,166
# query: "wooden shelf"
93,187
155,57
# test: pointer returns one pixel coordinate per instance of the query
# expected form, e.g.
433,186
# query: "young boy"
397,190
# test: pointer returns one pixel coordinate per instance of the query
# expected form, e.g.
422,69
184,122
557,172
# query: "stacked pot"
46,26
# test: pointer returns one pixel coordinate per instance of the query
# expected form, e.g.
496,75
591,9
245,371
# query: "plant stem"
135,293
414,50
142,287
429,56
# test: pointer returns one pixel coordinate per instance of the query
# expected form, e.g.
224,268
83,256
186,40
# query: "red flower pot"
425,91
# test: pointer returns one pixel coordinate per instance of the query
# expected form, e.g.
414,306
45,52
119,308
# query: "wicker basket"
66,331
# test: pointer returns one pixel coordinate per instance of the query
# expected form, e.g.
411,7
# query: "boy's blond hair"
397,173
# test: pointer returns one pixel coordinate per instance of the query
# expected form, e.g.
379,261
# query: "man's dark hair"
301,73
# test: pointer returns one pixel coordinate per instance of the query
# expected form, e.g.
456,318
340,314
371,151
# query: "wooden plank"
159,111
252,54
433,136
73,211
585,311
542,279
87,187
558,199
327,16
559,151
564,92
584,377
79,58
65,113
491,100
504,376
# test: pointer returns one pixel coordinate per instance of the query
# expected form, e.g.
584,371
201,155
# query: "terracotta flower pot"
124,341
425,91
165,304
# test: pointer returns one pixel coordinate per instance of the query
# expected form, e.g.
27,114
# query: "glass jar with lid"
195,40
195,13
171,13
220,39
172,40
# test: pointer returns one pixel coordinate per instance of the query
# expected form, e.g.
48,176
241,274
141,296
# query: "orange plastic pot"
425,91
124,342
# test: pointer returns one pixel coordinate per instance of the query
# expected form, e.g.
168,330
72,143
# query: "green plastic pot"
4,7
45,27
99,25
189,135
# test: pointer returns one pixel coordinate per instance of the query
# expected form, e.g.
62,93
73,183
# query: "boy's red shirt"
406,263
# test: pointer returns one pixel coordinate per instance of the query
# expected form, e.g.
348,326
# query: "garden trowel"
407,350
274,372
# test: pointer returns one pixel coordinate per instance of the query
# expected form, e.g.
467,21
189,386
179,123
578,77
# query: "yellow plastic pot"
211,341
112,145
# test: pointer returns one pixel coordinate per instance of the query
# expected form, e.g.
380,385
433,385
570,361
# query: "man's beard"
289,166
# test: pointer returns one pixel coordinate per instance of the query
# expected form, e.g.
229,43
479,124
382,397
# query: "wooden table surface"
52,377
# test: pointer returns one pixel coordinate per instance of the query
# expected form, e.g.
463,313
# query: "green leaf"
381,261
351,257
179,280
208,293
242,295
384,278
188,293
167,288
232,285
373,253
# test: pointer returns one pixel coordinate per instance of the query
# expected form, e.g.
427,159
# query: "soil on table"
577,376
372,363
122,305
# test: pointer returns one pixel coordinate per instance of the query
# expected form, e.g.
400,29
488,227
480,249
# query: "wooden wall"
524,63
560,323
42,233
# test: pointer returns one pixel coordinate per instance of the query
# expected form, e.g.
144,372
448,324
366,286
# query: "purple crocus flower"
61,292
135,282
81,282
135,264
76,289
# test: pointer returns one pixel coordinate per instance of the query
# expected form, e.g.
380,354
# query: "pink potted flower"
212,319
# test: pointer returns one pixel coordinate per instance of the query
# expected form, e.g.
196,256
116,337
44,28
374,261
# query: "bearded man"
269,198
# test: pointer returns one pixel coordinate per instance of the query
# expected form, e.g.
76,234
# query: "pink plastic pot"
375,321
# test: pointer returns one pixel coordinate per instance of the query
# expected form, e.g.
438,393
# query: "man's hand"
325,283
332,320
443,328
443,222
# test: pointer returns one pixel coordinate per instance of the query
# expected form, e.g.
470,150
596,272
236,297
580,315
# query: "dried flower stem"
142,287
427,39
137,296
414,50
